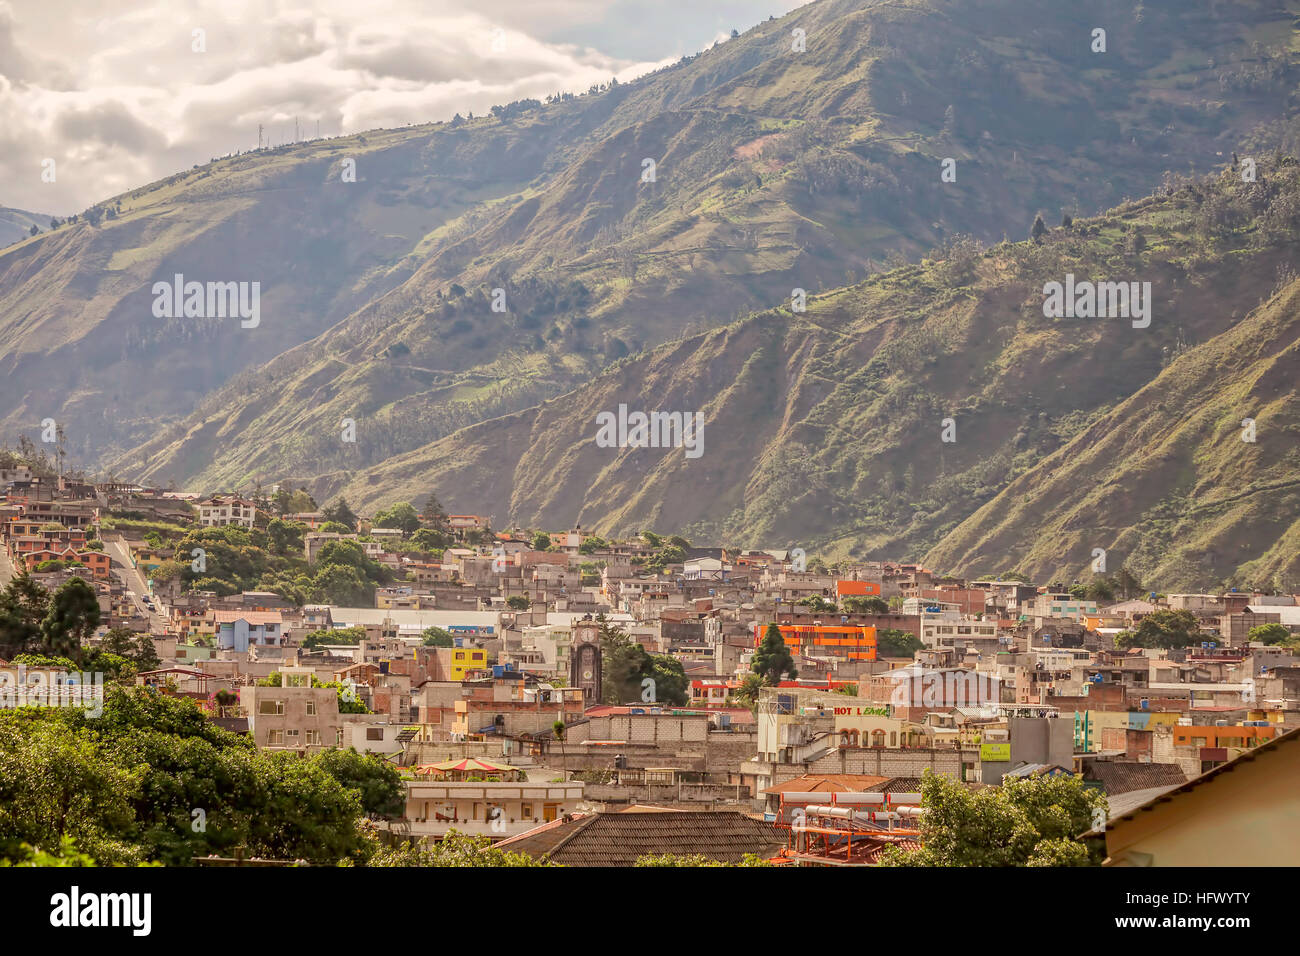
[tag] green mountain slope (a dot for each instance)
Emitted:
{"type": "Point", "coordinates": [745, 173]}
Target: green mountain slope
{"type": "Point", "coordinates": [774, 170]}
{"type": "Point", "coordinates": [15, 224]}
{"type": "Point", "coordinates": [825, 429]}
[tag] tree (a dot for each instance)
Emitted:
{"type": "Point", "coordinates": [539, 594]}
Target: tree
{"type": "Point", "coordinates": [437, 637]}
{"type": "Point", "coordinates": [818, 604]}
{"type": "Point", "coordinates": [340, 635]}
{"type": "Point", "coordinates": [1039, 229]}
{"type": "Point", "coordinates": [865, 605]}
{"type": "Point", "coordinates": [23, 606]}
{"type": "Point", "coordinates": [285, 537]}
{"type": "Point", "coordinates": [72, 618]}
{"type": "Point", "coordinates": [454, 849]}
{"type": "Point", "coordinates": [891, 642]}
{"type": "Point", "coordinates": [56, 784]}
{"type": "Point", "coordinates": [1163, 628]}
{"type": "Point", "coordinates": [374, 780]}
{"type": "Point", "coordinates": [428, 539]}
{"type": "Point", "coordinates": [1127, 583]}
{"type": "Point", "coordinates": [1269, 634]}
{"type": "Point", "coordinates": [127, 644]}
{"type": "Point", "coordinates": [747, 694]}
{"type": "Point", "coordinates": [1101, 590]}
{"type": "Point", "coordinates": [340, 512]}
{"type": "Point", "coordinates": [434, 514]}
{"type": "Point", "coordinates": [401, 516]}
{"type": "Point", "coordinates": [518, 602]}
{"type": "Point", "coordinates": [772, 660]}
{"type": "Point", "coordinates": [1034, 821]}
{"type": "Point", "coordinates": [697, 860]}
{"type": "Point", "coordinates": [560, 730]}
{"type": "Point", "coordinates": [541, 541]}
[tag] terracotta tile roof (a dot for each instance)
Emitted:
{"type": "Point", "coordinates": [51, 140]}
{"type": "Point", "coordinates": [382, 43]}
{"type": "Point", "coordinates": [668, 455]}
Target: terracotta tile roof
{"type": "Point", "coordinates": [829, 783]}
{"type": "Point", "coordinates": [619, 839]}
{"type": "Point", "coordinates": [1124, 776]}
{"type": "Point", "coordinates": [898, 785]}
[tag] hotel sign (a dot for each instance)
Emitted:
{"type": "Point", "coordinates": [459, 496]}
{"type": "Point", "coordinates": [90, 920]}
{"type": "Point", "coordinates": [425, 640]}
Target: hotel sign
{"type": "Point", "coordinates": [882, 711]}
{"type": "Point", "coordinates": [995, 753]}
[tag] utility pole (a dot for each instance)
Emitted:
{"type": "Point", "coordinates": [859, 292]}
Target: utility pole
{"type": "Point", "coordinates": [259, 135]}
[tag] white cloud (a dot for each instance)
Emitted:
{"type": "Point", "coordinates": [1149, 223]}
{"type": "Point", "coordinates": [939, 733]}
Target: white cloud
{"type": "Point", "coordinates": [111, 90]}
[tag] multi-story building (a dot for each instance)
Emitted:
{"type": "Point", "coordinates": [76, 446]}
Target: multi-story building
{"type": "Point", "coordinates": [236, 630]}
{"type": "Point", "coordinates": [498, 805]}
{"type": "Point", "coordinates": [220, 510]}
{"type": "Point", "coordinates": [293, 716]}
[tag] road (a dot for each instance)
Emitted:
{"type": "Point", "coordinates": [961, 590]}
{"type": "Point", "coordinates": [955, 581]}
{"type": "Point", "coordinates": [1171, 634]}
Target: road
{"type": "Point", "coordinates": [134, 581]}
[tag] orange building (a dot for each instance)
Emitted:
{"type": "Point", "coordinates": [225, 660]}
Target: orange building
{"type": "Point", "coordinates": [845, 589]}
{"type": "Point", "coordinates": [1234, 736]}
{"type": "Point", "coordinates": [826, 640]}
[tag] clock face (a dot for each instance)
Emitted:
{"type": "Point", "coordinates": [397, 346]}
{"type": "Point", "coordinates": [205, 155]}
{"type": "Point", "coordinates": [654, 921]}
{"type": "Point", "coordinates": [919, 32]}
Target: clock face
{"type": "Point", "coordinates": [586, 675]}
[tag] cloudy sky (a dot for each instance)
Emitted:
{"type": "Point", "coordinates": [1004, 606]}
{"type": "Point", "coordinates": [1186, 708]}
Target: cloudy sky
{"type": "Point", "coordinates": [115, 93]}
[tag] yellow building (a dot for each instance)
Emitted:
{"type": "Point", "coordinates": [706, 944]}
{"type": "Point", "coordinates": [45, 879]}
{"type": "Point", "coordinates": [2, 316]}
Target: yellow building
{"type": "Point", "coordinates": [863, 723]}
{"type": "Point", "coordinates": [1245, 812]}
{"type": "Point", "coordinates": [458, 661]}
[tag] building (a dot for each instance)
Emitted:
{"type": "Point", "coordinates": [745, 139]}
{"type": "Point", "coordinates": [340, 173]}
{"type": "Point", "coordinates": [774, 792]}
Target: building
{"type": "Point", "coordinates": [236, 630]}
{"type": "Point", "coordinates": [483, 798]}
{"type": "Point", "coordinates": [1241, 813]}
{"type": "Point", "coordinates": [220, 510]}
{"type": "Point", "coordinates": [293, 716]}
{"type": "Point", "coordinates": [620, 839]}
{"type": "Point", "coordinates": [840, 642]}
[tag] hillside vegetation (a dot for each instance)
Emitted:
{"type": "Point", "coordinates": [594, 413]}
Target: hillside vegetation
{"type": "Point", "coordinates": [773, 170]}
{"type": "Point", "coordinates": [824, 429]}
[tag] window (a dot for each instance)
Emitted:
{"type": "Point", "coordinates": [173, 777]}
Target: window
{"type": "Point", "coordinates": [311, 708]}
{"type": "Point", "coordinates": [275, 738]}
{"type": "Point", "coordinates": [526, 811]}
{"type": "Point", "coordinates": [293, 736]}
{"type": "Point", "coordinates": [374, 733]}
{"type": "Point", "coordinates": [270, 707]}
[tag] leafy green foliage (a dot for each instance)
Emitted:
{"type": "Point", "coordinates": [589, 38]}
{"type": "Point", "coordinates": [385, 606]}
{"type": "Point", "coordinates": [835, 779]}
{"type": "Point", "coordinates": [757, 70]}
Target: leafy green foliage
{"type": "Point", "coordinates": [1163, 628]}
{"type": "Point", "coordinates": [772, 660]}
{"type": "Point", "coordinates": [401, 516]}
{"type": "Point", "coordinates": [125, 786]}
{"type": "Point", "coordinates": [72, 618]}
{"type": "Point", "coordinates": [329, 635]}
{"type": "Point", "coordinates": [437, 637]}
{"type": "Point", "coordinates": [626, 665]}
{"type": "Point", "coordinates": [1030, 822]}
{"type": "Point", "coordinates": [891, 642]}
{"type": "Point", "coordinates": [697, 859]}
{"type": "Point", "coordinates": [454, 849]}
{"type": "Point", "coordinates": [1270, 634]}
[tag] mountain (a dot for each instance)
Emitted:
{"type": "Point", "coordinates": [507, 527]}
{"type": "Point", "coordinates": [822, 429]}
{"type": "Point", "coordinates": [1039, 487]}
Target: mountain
{"type": "Point", "coordinates": [15, 224]}
{"type": "Point", "coordinates": [825, 429]}
{"type": "Point", "coordinates": [773, 169]}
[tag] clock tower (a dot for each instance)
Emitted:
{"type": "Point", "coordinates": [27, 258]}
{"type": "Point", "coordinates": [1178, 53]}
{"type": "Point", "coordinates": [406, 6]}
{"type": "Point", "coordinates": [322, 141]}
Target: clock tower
{"type": "Point", "coordinates": [585, 660]}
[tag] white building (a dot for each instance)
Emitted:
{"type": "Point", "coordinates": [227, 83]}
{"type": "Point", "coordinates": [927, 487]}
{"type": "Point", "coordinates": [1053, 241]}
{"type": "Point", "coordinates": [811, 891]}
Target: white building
{"type": "Point", "coordinates": [221, 510]}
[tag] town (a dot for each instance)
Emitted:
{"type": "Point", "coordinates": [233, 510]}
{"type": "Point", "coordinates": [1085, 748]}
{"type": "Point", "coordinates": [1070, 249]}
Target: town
{"type": "Point", "coordinates": [570, 699]}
